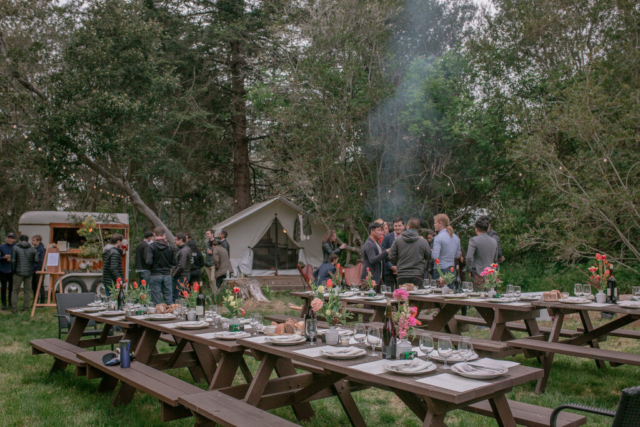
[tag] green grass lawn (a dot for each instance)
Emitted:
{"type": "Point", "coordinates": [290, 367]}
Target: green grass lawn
{"type": "Point", "coordinates": [30, 396]}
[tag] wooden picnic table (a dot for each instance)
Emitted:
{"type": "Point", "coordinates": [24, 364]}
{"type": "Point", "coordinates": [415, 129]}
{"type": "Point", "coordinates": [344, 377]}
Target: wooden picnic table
{"type": "Point", "coordinates": [589, 336]}
{"type": "Point", "coordinates": [430, 403]}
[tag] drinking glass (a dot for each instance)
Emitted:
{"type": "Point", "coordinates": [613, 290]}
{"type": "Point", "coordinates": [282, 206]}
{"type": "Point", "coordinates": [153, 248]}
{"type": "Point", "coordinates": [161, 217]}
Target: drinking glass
{"type": "Point", "coordinates": [113, 304]}
{"type": "Point", "coordinates": [509, 291]}
{"type": "Point", "coordinates": [467, 287]}
{"type": "Point", "coordinates": [373, 338]}
{"type": "Point", "coordinates": [577, 289]}
{"type": "Point", "coordinates": [151, 308]}
{"type": "Point", "coordinates": [311, 326]}
{"type": "Point", "coordinates": [426, 344]}
{"type": "Point", "coordinates": [258, 323]}
{"type": "Point", "coordinates": [517, 291]}
{"type": "Point", "coordinates": [445, 349]}
{"type": "Point", "coordinates": [425, 284]}
{"type": "Point", "coordinates": [97, 299]}
{"type": "Point", "coordinates": [465, 347]}
{"type": "Point", "coordinates": [565, 295]}
{"type": "Point", "coordinates": [252, 322]}
{"type": "Point", "coordinates": [586, 290]}
{"type": "Point", "coordinates": [636, 293]}
{"type": "Point", "coordinates": [360, 333]}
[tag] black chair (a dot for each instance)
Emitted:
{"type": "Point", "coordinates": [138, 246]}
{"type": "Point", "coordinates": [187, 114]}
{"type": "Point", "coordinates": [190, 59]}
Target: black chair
{"type": "Point", "coordinates": [626, 415]}
{"type": "Point", "coordinates": [65, 320]}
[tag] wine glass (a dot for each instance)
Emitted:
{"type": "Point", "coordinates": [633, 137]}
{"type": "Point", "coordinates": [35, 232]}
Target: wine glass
{"type": "Point", "coordinates": [360, 333]}
{"type": "Point", "coordinates": [426, 344]}
{"type": "Point", "coordinates": [517, 291]}
{"type": "Point", "coordinates": [258, 323]}
{"type": "Point", "coordinates": [577, 289]}
{"type": "Point", "coordinates": [586, 290]}
{"type": "Point", "coordinates": [97, 299]}
{"type": "Point", "coordinates": [373, 339]}
{"type": "Point", "coordinates": [252, 322]}
{"type": "Point", "coordinates": [636, 293]}
{"type": "Point", "coordinates": [311, 326]}
{"type": "Point", "coordinates": [425, 284]}
{"type": "Point", "coordinates": [509, 291]}
{"type": "Point", "coordinates": [445, 349]}
{"type": "Point", "coordinates": [465, 348]}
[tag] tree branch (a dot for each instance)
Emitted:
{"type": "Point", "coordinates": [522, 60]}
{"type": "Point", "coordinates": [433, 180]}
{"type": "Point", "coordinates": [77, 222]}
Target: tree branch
{"type": "Point", "coordinates": [24, 82]}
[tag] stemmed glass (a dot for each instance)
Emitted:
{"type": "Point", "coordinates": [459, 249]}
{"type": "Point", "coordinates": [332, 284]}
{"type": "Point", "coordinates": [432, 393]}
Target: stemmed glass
{"type": "Point", "coordinates": [426, 344]}
{"type": "Point", "coordinates": [467, 287]}
{"type": "Point", "coordinates": [517, 291]}
{"type": "Point", "coordinates": [636, 293]}
{"type": "Point", "coordinates": [253, 323]}
{"type": "Point", "coordinates": [509, 291]}
{"type": "Point", "coordinates": [425, 284]}
{"type": "Point", "coordinates": [311, 326]}
{"type": "Point", "coordinates": [258, 323]}
{"type": "Point", "coordinates": [373, 339]}
{"type": "Point", "coordinates": [445, 349]}
{"type": "Point", "coordinates": [97, 299]}
{"type": "Point", "coordinates": [586, 290]}
{"type": "Point", "coordinates": [465, 348]}
{"type": "Point", "coordinates": [577, 289]}
{"type": "Point", "coordinates": [360, 333]}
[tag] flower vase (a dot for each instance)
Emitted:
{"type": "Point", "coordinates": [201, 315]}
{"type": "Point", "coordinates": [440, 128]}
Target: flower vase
{"type": "Point", "coordinates": [235, 325]}
{"type": "Point", "coordinates": [191, 315]}
{"type": "Point", "coordinates": [404, 346]}
{"type": "Point", "coordinates": [601, 297]}
{"type": "Point", "coordinates": [331, 336]}
{"type": "Point", "coordinates": [446, 290]}
{"type": "Point", "coordinates": [492, 293]}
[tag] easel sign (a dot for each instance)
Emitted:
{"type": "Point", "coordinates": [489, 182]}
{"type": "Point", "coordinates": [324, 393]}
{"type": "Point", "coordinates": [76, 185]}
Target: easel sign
{"type": "Point", "coordinates": [51, 268]}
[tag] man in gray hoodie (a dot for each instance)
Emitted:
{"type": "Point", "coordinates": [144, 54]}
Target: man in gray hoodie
{"type": "Point", "coordinates": [23, 258]}
{"type": "Point", "coordinates": [410, 253]}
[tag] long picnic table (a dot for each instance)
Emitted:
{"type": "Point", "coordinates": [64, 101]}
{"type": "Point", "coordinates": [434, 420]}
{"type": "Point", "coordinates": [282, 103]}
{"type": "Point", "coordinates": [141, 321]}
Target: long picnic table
{"type": "Point", "coordinates": [590, 336]}
{"type": "Point", "coordinates": [429, 402]}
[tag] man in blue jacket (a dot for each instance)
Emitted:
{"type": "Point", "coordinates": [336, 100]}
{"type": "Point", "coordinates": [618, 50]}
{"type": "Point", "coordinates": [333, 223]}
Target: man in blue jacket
{"type": "Point", "coordinates": [36, 241]}
{"type": "Point", "coordinates": [6, 276]}
{"type": "Point", "coordinates": [322, 273]}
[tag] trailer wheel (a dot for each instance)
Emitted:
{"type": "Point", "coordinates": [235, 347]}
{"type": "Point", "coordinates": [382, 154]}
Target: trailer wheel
{"type": "Point", "coordinates": [73, 286]}
{"type": "Point", "coordinates": [98, 288]}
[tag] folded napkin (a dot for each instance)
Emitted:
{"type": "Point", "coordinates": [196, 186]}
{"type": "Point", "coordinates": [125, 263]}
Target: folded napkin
{"type": "Point", "coordinates": [410, 366]}
{"type": "Point", "coordinates": [346, 351]}
{"type": "Point", "coordinates": [286, 338]}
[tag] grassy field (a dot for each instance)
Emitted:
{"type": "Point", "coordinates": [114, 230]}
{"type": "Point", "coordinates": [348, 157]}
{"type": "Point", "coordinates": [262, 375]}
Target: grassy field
{"type": "Point", "coordinates": [30, 396]}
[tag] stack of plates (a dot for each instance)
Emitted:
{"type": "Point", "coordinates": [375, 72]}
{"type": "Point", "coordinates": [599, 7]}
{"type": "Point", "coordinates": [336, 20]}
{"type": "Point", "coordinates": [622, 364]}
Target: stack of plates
{"type": "Point", "coordinates": [478, 372]}
{"type": "Point", "coordinates": [165, 316]}
{"type": "Point", "coordinates": [111, 313]}
{"type": "Point", "coordinates": [231, 335]}
{"type": "Point", "coordinates": [286, 339]}
{"type": "Point", "coordinates": [93, 309]}
{"type": "Point", "coordinates": [503, 300]}
{"type": "Point", "coordinates": [455, 357]}
{"type": "Point", "coordinates": [629, 304]}
{"type": "Point", "coordinates": [192, 325]}
{"type": "Point", "coordinates": [343, 353]}
{"type": "Point", "coordinates": [410, 367]}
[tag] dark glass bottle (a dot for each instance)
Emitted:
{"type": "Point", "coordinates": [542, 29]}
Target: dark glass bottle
{"type": "Point", "coordinates": [121, 297]}
{"type": "Point", "coordinates": [389, 337]}
{"type": "Point", "coordinates": [200, 304]}
{"type": "Point", "coordinates": [309, 315]}
{"type": "Point", "coordinates": [612, 288]}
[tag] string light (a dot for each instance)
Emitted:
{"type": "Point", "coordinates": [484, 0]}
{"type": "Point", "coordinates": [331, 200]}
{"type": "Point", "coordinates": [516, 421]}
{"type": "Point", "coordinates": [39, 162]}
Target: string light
{"type": "Point", "coordinates": [482, 179]}
{"type": "Point", "coordinates": [605, 160]}
{"type": "Point", "coordinates": [39, 148]}
{"type": "Point", "coordinates": [520, 174]}
{"type": "Point", "coordinates": [417, 188]}
{"type": "Point", "coordinates": [25, 137]}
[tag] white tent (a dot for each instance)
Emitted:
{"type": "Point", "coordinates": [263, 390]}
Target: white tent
{"type": "Point", "coordinates": [273, 236]}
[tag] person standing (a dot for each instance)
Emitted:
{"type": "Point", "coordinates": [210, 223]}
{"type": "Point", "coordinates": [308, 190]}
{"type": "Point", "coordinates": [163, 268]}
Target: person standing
{"type": "Point", "coordinates": [222, 235]}
{"type": "Point", "coordinates": [182, 266]}
{"type": "Point", "coordinates": [142, 268]}
{"type": "Point", "coordinates": [197, 262]}
{"type": "Point", "coordinates": [221, 262]}
{"type": "Point", "coordinates": [330, 245]}
{"type": "Point", "coordinates": [390, 270]}
{"type": "Point", "coordinates": [160, 259]}
{"type": "Point", "coordinates": [6, 277]}
{"type": "Point", "coordinates": [446, 245]}
{"type": "Point", "coordinates": [209, 268]}
{"type": "Point", "coordinates": [410, 254]}
{"type": "Point", "coordinates": [23, 258]}
{"type": "Point", "coordinates": [112, 262]}
{"type": "Point", "coordinates": [36, 241]}
{"type": "Point", "coordinates": [482, 249]}
{"type": "Point", "coordinates": [373, 257]}
{"type": "Point", "coordinates": [494, 235]}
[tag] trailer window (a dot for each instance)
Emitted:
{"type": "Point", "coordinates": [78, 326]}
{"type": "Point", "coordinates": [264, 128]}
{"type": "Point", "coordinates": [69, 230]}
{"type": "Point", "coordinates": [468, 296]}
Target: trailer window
{"type": "Point", "coordinates": [70, 235]}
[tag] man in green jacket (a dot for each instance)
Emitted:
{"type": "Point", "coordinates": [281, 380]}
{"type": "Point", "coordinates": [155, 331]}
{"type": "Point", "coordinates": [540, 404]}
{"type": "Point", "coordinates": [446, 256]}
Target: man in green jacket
{"type": "Point", "coordinates": [23, 258]}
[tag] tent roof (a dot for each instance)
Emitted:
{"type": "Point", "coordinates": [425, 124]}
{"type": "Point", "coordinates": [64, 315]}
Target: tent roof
{"type": "Point", "coordinates": [251, 210]}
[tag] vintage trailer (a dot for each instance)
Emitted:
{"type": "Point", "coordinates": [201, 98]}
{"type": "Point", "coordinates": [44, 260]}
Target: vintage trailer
{"type": "Point", "coordinates": [80, 253]}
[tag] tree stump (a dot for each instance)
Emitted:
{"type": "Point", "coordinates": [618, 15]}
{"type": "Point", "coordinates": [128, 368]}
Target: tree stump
{"type": "Point", "coordinates": [249, 289]}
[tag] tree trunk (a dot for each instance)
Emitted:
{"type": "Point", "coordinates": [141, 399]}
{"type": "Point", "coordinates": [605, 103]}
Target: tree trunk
{"type": "Point", "coordinates": [249, 289]}
{"type": "Point", "coordinates": [241, 170]}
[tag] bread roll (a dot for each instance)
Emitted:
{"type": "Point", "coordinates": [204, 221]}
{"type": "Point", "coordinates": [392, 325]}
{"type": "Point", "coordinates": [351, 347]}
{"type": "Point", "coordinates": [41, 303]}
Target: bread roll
{"type": "Point", "coordinates": [280, 329]}
{"type": "Point", "coordinates": [288, 328]}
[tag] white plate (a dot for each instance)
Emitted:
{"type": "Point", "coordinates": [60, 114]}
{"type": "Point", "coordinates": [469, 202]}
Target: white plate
{"type": "Point", "coordinates": [163, 316]}
{"type": "Point", "coordinates": [480, 375]}
{"type": "Point", "coordinates": [574, 301]}
{"type": "Point", "coordinates": [192, 325]}
{"type": "Point", "coordinates": [629, 304]}
{"type": "Point", "coordinates": [231, 335]}
{"type": "Point", "coordinates": [275, 341]}
{"type": "Point", "coordinates": [92, 309]}
{"type": "Point", "coordinates": [422, 292]}
{"type": "Point", "coordinates": [448, 296]}
{"type": "Point", "coordinates": [453, 359]}
{"type": "Point", "coordinates": [429, 368]}
{"type": "Point", "coordinates": [373, 298]}
{"type": "Point", "coordinates": [362, 352]}
{"type": "Point", "coordinates": [96, 304]}
{"type": "Point", "coordinates": [342, 332]}
{"type": "Point", "coordinates": [111, 313]}
{"type": "Point", "coordinates": [503, 300]}
{"type": "Point", "coordinates": [529, 299]}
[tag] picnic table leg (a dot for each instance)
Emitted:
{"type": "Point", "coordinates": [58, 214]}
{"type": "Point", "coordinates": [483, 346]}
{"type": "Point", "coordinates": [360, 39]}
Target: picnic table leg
{"type": "Point", "coordinates": [226, 371]}
{"type": "Point", "coordinates": [285, 368]}
{"type": "Point", "coordinates": [433, 420]}
{"type": "Point", "coordinates": [441, 320]}
{"type": "Point", "coordinates": [144, 350]}
{"type": "Point", "coordinates": [413, 402]}
{"type": "Point", "coordinates": [547, 358]}
{"type": "Point", "coordinates": [588, 327]}
{"type": "Point", "coordinates": [259, 383]}
{"type": "Point", "coordinates": [502, 412]}
{"type": "Point", "coordinates": [73, 337]}
{"type": "Point", "coordinates": [341, 389]}
{"type": "Point", "coordinates": [246, 372]}
{"type": "Point", "coordinates": [206, 359]}
{"type": "Point", "coordinates": [378, 314]}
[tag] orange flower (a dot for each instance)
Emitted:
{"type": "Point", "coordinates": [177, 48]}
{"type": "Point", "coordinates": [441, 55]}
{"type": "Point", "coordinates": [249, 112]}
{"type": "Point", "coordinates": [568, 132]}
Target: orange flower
{"type": "Point", "coordinates": [236, 290]}
{"type": "Point", "coordinates": [242, 312]}
{"type": "Point", "coordinates": [437, 261]}
{"type": "Point", "coordinates": [135, 285]}
{"type": "Point", "coordinates": [117, 285]}
{"type": "Point", "coordinates": [451, 269]}
{"type": "Point", "coordinates": [316, 304]}
{"type": "Point", "coordinates": [494, 265]}
{"type": "Point", "coordinates": [598, 257]}
{"type": "Point", "coordinates": [329, 283]}
{"type": "Point", "coordinates": [118, 280]}
{"type": "Point", "coordinates": [143, 297]}
{"type": "Point", "coordinates": [338, 267]}
{"type": "Point", "coordinates": [604, 257]}
{"type": "Point", "coordinates": [196, 287]}
{"type": "Point", "coordinates": [90, 230]}
{"type": "Point", "coordinates": [143, 282]}
{"type": "Point", "coordinates": [607, 273]}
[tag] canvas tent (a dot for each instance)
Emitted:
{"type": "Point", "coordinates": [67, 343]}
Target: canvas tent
{"type": "Point", "coordinates": [273, 236]}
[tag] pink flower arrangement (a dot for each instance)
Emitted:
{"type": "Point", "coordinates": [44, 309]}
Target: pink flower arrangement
{"type": "Point", "coordinates": [400, 295]}
{"type": "Point", "coordinates": [316, 304]}
{"type": "Point", "coordinates": [406, 315]}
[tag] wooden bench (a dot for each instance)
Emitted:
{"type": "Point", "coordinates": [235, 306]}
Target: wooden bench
{"type": "Point", "coordinates": [64, 353]}
{"type": "Point", "coordinates": [530, 415]}
{"type": "Point", "coordinates": [621, 333]}
{"type": "Point", "coordinates": [577, 351]}
{"type": "Point", "coordinates": [162, 386]}
{"type": "Point", "coordinates": [367, 313]}
{"type": "Point", "coordinates": [214, 407]}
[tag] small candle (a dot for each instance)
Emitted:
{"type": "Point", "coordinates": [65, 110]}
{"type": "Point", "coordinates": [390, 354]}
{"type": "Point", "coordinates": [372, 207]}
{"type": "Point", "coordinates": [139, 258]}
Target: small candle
{"type": "Point", "coordinates": [345, 341]}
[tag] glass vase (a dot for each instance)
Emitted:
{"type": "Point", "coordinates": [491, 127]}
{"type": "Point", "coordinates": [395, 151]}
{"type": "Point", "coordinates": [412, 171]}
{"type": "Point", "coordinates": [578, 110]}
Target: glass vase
{"type": "Point", "coordinates": [332, 335]}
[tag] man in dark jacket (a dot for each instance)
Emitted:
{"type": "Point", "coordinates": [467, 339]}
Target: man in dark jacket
{"type": "Point", "coordinates": [160, 258]}
{"type": "Point", "coordinates": [36, 241]}
{"type": "Point", "coordinates": [410, 253]}
{"type": "Point", "coordinates": [197, 262]}
{"type": "Point", "coordinates": [209, 268]}
{"type": "Point", "coordinates": [322, 273]}
{"type": "Point", "coordinates": [142, 268]}
{"type": "Point", "coordinates": [391, 270]}
{"type": "Point", "coordinates": [23, 258]}
{"type": "Point", "coordinates": [222, 236]}
{"type": "Point", "coordinates": [222, 264]}
{"type": "Point", "coordinates": [6, 277]}
{"type": "Point", "coordinates": [182, 266]}
{"type": "Point", "coordinates": [494, 235]}
{"type": "Point", "coordinates": [373, 256]}
{"type": "Point", "coordinates": [112, 262]}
